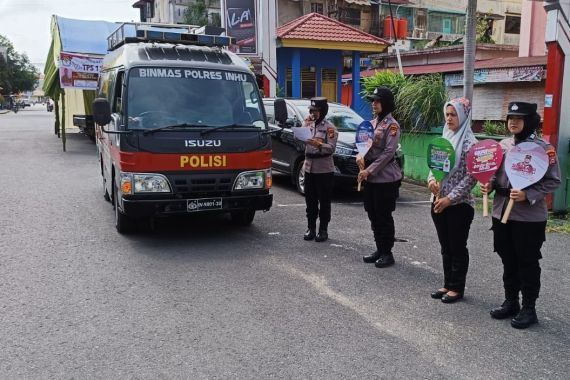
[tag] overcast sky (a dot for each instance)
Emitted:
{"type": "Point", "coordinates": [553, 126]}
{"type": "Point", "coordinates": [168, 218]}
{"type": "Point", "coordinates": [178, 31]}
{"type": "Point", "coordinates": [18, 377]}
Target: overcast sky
{"type": "Point", "coordinates": [26, 23]}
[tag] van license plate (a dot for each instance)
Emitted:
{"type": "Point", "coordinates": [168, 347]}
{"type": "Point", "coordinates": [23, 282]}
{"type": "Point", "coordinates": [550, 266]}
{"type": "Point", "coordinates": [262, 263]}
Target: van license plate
{"type": "Point", "coordinates": [204, 204]}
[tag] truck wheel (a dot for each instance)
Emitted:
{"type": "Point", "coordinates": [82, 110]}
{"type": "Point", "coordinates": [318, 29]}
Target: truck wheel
{"type": "Point", "coordinates": [123, 223]}
{"type": "Point", "coordinates": [243, 217]}
{"type": "Point", "coordinates": [299, 178]}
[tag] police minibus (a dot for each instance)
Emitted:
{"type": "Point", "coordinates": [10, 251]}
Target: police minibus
{"type": "Point", "coordinates": [180, 127]}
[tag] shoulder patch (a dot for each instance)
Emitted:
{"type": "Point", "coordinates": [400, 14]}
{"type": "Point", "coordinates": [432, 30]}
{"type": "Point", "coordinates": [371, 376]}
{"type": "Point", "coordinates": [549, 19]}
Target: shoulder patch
{"type": "Point", "coordinates": [393, 129]}
{"type": "Point", "coordinates": [551, 155]}
{"type": "Point", "coordinates": [331, 132]}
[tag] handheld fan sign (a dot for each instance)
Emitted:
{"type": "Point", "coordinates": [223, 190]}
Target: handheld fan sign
{"type": "Point", "coordinates": [440, 157]}
{"type": "Point", "coordinates": [364, 138]}
{"type": "Point", "coordinates": [525, 164]}
{"type": "Point", "coordinates": [483, 161]}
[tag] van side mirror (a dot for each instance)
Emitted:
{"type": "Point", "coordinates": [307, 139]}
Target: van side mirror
{"type": "Point", "coordinates": [101, 111]}
{"type": "Point", "coordinates": [280, 111]}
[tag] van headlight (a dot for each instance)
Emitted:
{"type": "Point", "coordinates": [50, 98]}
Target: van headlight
{"type": "Point", "coordinates": [258, 179]}
{"type": "Point", "coordinates": [134, 183]}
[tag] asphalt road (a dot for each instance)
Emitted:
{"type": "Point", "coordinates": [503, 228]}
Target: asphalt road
{"type": "Point", "coordinates": [201, 299]}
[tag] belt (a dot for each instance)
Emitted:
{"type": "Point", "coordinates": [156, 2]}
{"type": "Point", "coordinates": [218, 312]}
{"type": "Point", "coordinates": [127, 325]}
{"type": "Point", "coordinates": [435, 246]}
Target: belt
{"type": "Point", "coordinates": [504, 191]}
{"type": "Point", "coordinates": [317, 155]}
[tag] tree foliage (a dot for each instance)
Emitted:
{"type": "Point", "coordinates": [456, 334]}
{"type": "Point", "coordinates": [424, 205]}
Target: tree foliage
{"type": "Point", "coordinates": [17, 74]}
{"type": "Point", "coordinates": [197, 14]}
{"type": "Point", "coordinates": [419, 99]}
{"type": "Point", "coordinates": [484, 30]}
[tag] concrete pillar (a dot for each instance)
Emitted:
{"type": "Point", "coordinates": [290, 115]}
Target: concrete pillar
{"type": "Point", "coordinates": [355, 81]}
{"type": "Point", "coordinates": [296, 73]}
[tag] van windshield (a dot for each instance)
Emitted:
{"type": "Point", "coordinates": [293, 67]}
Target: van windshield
{"type": "Point", "coordinates": [159, 97]}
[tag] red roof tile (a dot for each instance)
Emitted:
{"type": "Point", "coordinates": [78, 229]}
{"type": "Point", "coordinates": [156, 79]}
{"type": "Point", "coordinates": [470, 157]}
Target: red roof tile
{"type": "Point", "coordinates": [314, 26]}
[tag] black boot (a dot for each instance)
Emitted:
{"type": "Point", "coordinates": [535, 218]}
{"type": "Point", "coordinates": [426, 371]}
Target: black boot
{"type": "Point", "coordinates": [509, 308]}
{"type": "Point", "coordinates": [323, 234]}
{"type": "Point", "coordinates": [385, 260]}
{"type": "Point", "coordinates": [525, 318]}
{"type": "Point", "coordinates": [310, 234]}
{"type": "Point", "coordinates": [369, 259]}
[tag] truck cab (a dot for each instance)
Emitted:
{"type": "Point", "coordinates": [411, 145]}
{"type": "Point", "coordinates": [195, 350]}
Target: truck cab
{"type": "Point", "coordinates": [180, 128]}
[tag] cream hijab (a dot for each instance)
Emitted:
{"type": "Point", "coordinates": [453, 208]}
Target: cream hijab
{"type": "Point", "coordinates": [464, 132]}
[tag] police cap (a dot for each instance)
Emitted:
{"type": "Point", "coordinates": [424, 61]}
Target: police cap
{"type": "Point", "coordinates": [318, 104]}
{"type": "Point", "coordinates": [521, 109]}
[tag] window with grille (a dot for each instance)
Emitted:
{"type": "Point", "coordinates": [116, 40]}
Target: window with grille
{"type": "Point", "coordinates": [513, 24]}
{"type": "Point", "coordinates": [317, 8]}
{"type": "Point", "coordinates": [308, 83]}
{"type": "Point", "coordinates": [350, 16]}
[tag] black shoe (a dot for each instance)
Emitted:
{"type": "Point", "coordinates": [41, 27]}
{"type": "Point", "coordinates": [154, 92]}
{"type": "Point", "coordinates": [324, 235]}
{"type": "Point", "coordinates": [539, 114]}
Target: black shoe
{"type": "Point", "coordinates": [525, 318]}
{"type": "Point", "coordinates": [438, 294]}
{"type": "Point", "coordinates": [451, 299]}
{"type": "Point", "coordinates": [369, 259]}
{"type": "Point", "coordinates": [310, 234]}
{"type": "Point", "coordinates": [509, 308]}
{"type": "Point", "coordinates": [385, 260]}
{"type": "Point", "coordinates": [322, 235]}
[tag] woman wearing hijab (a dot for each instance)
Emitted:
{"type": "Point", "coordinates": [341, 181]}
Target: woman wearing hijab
{"type": "Point", "coordinates": [518, 242]}
{"type": "Point", "coordinates": [383, 177]}
{"type": "Point", "coordinates": [452, 207]}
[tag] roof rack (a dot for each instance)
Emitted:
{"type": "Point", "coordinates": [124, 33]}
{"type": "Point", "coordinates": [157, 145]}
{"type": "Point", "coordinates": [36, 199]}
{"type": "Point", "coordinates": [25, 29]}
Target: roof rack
{"type": "Point", "coordinates": [132, 32]}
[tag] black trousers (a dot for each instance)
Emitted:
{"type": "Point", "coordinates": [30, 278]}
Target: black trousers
{"type": "Point", "coordinates": [318, 194]}
{"type": "Point", "coordinates": [518, 245]}
{"type": "Point", "coordinates": [380, 203]}
{"type": "Point", "coordinates": [452, 226]}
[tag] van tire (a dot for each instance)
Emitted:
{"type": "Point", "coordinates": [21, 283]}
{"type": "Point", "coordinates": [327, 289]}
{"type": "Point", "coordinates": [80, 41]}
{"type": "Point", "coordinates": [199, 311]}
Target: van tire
{"type": "Point", "coordinates": [123, 223]}
{"type": "Point", "coordinates": [242, 217]}
{"type": "Point", "coordinates": [299, 177]}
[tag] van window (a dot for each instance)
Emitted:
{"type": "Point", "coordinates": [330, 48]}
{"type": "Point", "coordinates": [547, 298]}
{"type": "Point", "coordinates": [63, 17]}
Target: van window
{"type": "Point", "coordinates": [162, 96]}
{"type": "Point", "coordinates": [117, 104]}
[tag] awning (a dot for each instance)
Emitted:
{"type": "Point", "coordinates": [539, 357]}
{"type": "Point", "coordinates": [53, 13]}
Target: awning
{"type": "Point", "coordinates": [448, 11]}
{"type": "Point", "coordinates": [358, 2]}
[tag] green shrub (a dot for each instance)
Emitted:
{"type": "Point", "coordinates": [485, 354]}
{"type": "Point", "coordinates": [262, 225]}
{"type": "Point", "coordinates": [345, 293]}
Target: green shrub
{"type": "Point", "coordinates": [419, 99]}
{"type": "Point", "coordinates": [494, 128]}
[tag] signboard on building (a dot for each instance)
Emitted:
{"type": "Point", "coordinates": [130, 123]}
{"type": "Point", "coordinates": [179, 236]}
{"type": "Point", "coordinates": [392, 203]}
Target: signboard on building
{"type": "Point", "coordinates": [516, 74]}
{"type": "Point", "coordinates": [241, 23]}
{"type": "Point", "coordinates": [79, 71]}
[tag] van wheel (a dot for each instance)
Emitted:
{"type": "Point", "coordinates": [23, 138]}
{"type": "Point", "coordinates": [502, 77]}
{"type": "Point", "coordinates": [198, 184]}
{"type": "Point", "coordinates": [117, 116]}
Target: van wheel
{"type": "Point", "coordinates": [105, 192]}
{"type": "Point", "coordinates": [299, 178]}
{"type": "Point", "coordinates": [123, 223]}
{"type": "Point", "coordinates": [243, 217]}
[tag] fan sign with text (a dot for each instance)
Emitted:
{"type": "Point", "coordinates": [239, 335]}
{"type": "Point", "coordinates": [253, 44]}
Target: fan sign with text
{"type": "Point", "coordinates": [525, 164]}
{"type": "Point", "coordinates": [484, 159]}
{"type": "Point", "coordinates": [440, 157]}
{"type": "Point", "coordinates": [364, 137]}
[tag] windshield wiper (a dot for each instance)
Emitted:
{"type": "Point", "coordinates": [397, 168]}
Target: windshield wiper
{"type": "Point", "coordinates": [205, 132]}
{"type": "Point", "coordinates": [175, 126]}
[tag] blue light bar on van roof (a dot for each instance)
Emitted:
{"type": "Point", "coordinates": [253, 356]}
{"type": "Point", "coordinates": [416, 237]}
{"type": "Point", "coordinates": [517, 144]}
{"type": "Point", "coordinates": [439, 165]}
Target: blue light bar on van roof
{"type": "Point", "coordinates": [178, 34]}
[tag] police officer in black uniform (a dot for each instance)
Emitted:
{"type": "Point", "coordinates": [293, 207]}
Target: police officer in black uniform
{"type": "Point", "coordinates": [518, 242]}
{"type": "Point", "coordinates": [319, 169]}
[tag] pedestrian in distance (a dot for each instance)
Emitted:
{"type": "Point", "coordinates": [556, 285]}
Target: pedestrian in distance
{"type": "Point", "coordinates": [319, 169]}
{"type": "Point", "coordinates": [518, 242]}
{"type": "Point", "coordinates": [452, 207]}
{"type": "Point", "coordinates": [383, 177]}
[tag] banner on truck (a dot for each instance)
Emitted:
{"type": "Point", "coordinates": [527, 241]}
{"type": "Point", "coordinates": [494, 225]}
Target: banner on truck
{"type": "Point", "coordinates": [78, 71]}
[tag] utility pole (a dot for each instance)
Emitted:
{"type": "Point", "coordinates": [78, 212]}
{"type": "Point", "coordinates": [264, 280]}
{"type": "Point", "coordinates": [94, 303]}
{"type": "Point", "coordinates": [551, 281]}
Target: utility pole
{"type": "Point", "coordinates": [469, 50]}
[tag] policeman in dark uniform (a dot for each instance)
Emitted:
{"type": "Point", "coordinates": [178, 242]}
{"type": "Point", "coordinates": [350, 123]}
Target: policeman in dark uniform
{"type": "Point", "coordinates": [319, 169]}
{"type": "Point", "coordinates": [518, 242]}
